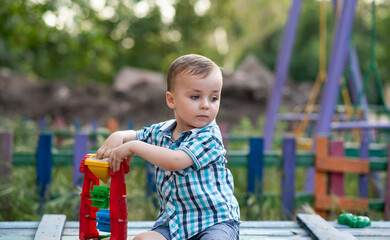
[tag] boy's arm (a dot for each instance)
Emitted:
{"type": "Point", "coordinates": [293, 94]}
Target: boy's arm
{"type": "Point", "coordinates": [168, 159]}
{"type": "Point", "coordinates": [114, 140]}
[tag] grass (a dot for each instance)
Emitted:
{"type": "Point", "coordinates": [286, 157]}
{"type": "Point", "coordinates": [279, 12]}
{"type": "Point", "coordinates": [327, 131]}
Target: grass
{"type": "Point", "coordinates": [20, 201]}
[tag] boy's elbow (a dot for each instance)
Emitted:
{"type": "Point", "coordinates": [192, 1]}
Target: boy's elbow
{"type": "Point", "coordinates": [174, 167]}
{"type": "Point", "coordinates": [177, 163]}
{"type": "Point", "coordinates": [180, 161]}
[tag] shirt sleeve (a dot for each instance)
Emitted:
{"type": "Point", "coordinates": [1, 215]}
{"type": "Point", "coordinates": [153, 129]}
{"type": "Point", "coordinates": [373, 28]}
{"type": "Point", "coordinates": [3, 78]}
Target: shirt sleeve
{"type": "Point", "coordinates": [143, 134]}
{"type": "Point", "coordinates": [204, 148]}
{"type": "Point", "coordinates": [147, 134]}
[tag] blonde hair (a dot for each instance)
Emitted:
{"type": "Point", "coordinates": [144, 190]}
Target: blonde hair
{"type": "Point", "coordinates": [191, 64]}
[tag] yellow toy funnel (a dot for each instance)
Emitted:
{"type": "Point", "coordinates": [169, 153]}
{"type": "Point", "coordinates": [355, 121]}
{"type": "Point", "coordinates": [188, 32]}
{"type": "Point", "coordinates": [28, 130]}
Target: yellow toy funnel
{"type": "Point", "coordinates": [99, 167]}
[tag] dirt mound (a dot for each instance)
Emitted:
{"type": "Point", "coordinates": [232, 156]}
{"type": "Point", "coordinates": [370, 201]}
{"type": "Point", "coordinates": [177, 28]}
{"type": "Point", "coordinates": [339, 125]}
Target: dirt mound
{"type": "Point", "coordinates": [138, 95]}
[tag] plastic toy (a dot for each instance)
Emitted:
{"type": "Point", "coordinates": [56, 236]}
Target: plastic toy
{"type": "Point", "coordinates": [100, 197]}
{"type": "Point", "coordinates": [354, 221]}
{"type": "Point", "coordinates": [94, 196]}
{"type": "Point", "coordinates": [99, 168]}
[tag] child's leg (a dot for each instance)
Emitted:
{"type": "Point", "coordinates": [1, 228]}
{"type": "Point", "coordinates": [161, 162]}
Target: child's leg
{"type": "Point", "coordinates": [149, 235]}
{"type": "Point", "coordinates": [228, 230]}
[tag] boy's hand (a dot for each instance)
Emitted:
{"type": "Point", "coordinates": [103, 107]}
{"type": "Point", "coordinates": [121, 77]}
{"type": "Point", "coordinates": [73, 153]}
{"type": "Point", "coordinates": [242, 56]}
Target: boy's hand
{"type": "Point", "coordinates": [113, 141]}
{"type": "Point", "coordinates": [118, 154]}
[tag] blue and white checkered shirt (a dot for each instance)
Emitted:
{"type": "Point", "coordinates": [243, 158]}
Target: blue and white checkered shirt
{"type": "Point", "coordinates": [201, 195]}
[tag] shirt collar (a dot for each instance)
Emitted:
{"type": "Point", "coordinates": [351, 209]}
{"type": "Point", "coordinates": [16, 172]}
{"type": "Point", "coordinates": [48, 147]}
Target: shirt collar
{"type": "Point", "coordinates": [169, 125]}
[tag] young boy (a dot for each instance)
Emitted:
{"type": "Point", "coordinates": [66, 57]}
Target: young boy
{"type": "Point", "coordinates": [194, 186]}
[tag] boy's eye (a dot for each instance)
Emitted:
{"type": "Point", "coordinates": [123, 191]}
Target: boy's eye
{"type": "Point", "coordinates": [194, 97]}
{"type": "Point", "coordinates": [214, 99]}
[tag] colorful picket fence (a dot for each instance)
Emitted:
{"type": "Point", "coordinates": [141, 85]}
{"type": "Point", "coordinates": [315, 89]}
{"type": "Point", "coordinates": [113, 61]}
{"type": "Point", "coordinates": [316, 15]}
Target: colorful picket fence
{"type": "Point", "coordinates": [255, 160]}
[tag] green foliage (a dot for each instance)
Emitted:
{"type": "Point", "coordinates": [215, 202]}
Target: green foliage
{"type": "Point", "coordinates": [76, 42]}
{"type": "Point", "coordinates": [18, 198]}
{"type": "Point", "coordinates": [25, 133]}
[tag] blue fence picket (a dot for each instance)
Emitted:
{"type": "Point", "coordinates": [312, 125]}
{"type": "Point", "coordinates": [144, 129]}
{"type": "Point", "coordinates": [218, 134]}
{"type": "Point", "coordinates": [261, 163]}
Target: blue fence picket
{"type": "Point", "coordinates": [150, 181]}
{"type": "Point", "coordinates": [130, 125]}
{"type": "Point", "coordinates": [255, 165]}
{"type": "Point", "coordinates": [44, 163]}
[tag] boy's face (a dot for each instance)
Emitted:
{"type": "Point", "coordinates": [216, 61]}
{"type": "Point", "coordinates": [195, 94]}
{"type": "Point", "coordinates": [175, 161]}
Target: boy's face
{"type": "Point", "coordinates": [195, 100]}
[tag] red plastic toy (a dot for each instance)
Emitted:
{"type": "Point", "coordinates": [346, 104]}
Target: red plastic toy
{"type": "Point", "coordinates": [118, 203]}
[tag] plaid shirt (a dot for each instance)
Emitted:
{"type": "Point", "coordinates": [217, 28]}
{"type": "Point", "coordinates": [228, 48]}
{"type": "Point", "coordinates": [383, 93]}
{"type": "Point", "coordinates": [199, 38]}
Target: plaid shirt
{"type": "Point", "coordinates": [201, 195]}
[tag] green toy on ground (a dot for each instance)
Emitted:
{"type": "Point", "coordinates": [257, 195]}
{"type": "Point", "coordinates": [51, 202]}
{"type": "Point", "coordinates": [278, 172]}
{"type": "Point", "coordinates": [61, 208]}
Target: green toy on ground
{"type": "Point", "coordinates": [354, 221]}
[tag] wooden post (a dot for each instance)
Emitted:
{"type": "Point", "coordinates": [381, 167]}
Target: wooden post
{"type": "Point", "coordinates": [44, 164]}
{"type": "Point", "coordinates": [320, 178]}
{"type": "Point", "coordinates": [288, 180]}
{"type": "Point", "coordinates": [337, 179]}
{"type": "Point", "coordinates": [6, 150]}
{"type": "Point", "coordinates": [325, 164]}
{"type": "Point", "coordinates": [80, 150]}
{"type": "Point", "coordinates": [363, 178]}
{"type": "Point", "coordinates": [255, 165]}
{"type": "Point", "coordinates": [387, 195]}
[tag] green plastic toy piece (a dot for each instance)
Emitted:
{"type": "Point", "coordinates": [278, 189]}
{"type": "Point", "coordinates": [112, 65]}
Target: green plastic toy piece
{"type": "Point", "coordinates": [100, 196]}
{"type": "Point", "coordinates": [354, 221]}
{"type": "Point", "coordinates": [104, 236]}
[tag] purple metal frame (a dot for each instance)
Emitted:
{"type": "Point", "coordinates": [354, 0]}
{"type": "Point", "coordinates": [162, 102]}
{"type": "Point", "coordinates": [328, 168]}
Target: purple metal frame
{"type": "Point", "coordinates": [336, 66]}
{"type": "Point", "coordinates": [281, 72]}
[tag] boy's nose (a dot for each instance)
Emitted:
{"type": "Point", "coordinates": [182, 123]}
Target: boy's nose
{"type": "Point", "coordinates": [204, 104]}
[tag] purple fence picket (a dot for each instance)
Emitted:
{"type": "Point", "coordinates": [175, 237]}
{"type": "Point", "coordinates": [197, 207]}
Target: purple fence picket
{"type": "Point", "coordinates": [363, 179]}
{"type": "Point", "coordinates": [80, 149]}
{"type": "Point", "coordinates": [288, 180]}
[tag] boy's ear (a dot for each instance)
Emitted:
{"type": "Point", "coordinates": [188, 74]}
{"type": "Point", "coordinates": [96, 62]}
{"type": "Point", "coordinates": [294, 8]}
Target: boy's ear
{"type": "Point", "coordinates": [170, 100]}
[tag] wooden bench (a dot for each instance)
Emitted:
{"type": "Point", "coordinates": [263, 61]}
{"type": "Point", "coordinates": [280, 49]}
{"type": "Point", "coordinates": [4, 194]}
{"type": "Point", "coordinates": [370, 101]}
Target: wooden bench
{"type": "Point", "coordinates": [55, 227]}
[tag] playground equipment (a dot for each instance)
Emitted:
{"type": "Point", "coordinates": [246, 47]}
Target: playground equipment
{"type": "Point", "coordinates": [343, 51]}
{"type": "Point", "coordinates": [91, 197]}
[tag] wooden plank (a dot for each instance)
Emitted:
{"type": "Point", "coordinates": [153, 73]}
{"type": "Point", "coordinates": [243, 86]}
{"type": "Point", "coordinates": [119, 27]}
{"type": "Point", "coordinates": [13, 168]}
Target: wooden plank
{"type": "Point", "coordinates": [50, 227]}
{"type": "Point", "coordinates": [320, 178]}
{"type": "Point", "coordinates": [342, 165]}
{"type": "Point", "coordinates": [337, 179]}
{"type": "Point", "coordinates": [326, 202]}
{"type": "Point", "coordinates": [16, 237]}
{"type": "Point", "coordinates": [318, 228]}
{"type": "Point", "coordinates": [248, 230]}
{"type": "Point", "coordinates": [320, 183]}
